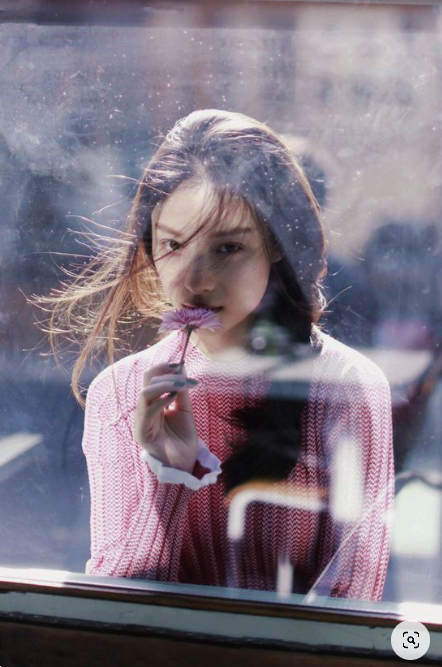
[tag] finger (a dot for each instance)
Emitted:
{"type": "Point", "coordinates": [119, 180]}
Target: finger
{"type": "Point", "coordinates": [159, 369]}
{"type": "Point", "coordinates": [173, 378]}
{"type": "Point", "coordinates": [168, 378]}
{"type": "Point", "coordinates": [145, 422]}
{"type": "Point", "coordinates": [164, 402]}
{"type": "Point", "coordinates": [183, 399]}
{"type": "Point", "coordinates": [154, 391]}
{"type": "Point", "coordinates": [182, 403]}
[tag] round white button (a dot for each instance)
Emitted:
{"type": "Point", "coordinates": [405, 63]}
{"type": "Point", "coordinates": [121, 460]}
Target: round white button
{"type": "Point", "coordinates": [410, 640]}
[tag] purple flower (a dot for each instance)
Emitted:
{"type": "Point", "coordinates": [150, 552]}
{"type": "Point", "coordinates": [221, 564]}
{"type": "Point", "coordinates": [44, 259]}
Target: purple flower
{"type": "Point", "coordinates": [187, 320]}
{"type": "Point", "coordinates": [190, 319]}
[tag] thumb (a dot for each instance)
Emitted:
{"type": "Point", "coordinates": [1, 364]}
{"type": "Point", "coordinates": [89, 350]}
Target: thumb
{"type": "Point", "coordinates": [182, 401]}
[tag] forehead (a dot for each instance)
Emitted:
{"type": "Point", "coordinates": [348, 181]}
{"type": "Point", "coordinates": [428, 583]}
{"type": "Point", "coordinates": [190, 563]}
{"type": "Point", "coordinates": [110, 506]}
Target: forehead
{"type": "Point", "coordinates": [193, 207]}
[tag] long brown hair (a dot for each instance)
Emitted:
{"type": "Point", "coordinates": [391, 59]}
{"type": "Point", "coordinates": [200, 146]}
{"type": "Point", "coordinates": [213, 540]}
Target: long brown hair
{"type": "Point", "coordinates": [99, 308]}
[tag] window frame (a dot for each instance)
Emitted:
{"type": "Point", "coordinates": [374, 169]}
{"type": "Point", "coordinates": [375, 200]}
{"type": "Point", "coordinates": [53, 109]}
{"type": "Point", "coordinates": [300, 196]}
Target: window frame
{"type": "Point", "coordinates": [152, 613]}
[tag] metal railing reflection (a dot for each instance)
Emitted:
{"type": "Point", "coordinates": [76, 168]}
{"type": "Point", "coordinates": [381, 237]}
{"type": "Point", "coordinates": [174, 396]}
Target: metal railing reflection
{"type": "Point", "coordinates": [280, 494]}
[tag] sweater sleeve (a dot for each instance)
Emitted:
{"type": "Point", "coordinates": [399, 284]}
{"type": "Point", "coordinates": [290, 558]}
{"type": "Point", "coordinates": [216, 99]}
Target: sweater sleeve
{"type": "Point", "coordinates": [137, 522]}
{"type": "Point", "coordinates": [205, 471]}
{"type": "Point", "coordinates": [354, 543]}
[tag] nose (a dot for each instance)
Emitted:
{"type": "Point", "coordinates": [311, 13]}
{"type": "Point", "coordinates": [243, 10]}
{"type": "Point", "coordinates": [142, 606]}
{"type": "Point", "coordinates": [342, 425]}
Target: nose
{"type": "Point", "coordinates": [199, 275]}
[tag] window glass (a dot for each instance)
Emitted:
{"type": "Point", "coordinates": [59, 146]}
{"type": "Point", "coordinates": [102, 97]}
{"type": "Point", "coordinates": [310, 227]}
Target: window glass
{"type": "Point", "coordinates": [330, 481]}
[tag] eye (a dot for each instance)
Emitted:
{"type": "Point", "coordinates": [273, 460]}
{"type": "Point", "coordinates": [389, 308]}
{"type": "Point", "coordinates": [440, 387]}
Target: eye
{"type": "Point", "coordinates": [229, 248]}
{"type": "Point", "coordinates": [170, 245]}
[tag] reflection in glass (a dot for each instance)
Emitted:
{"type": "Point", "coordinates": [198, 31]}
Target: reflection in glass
{"type": "Point", "coordinates": [84, 104]}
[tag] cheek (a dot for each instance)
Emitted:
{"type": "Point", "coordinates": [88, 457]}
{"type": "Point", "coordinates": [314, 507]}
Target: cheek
{"type": "Point", "coordinates": [252, 284]}
{"type": "Point", "coordinates": [261, 273]}
{"type": "Point", "coordinates": [260, 284]}
{"type": "Point", "coordinates": [168, 269]}
{"type": "Point", "coordinates": [166, 277]}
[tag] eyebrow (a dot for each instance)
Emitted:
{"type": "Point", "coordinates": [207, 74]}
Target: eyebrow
{"type": "Point", "coordinates": [230, 232]}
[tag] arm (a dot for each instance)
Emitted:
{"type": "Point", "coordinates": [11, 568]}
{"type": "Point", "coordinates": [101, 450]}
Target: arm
{"type": "Point", "coordinates": [354, 537]}
{"type": "Point", "coordinates": [137, 522]}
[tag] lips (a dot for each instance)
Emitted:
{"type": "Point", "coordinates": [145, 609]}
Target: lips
{"type": "Point", "coordinates": [214, 309]}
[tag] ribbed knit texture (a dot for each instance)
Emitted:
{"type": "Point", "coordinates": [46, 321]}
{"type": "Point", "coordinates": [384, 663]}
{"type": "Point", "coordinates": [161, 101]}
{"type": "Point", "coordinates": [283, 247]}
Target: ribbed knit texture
{"type": "Point", "coordinates": [145, 529]}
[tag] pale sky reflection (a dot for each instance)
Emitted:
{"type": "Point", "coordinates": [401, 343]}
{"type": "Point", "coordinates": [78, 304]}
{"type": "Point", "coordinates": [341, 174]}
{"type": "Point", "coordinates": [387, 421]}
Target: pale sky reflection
{"type": "Point", "coordinates": [417, 523]}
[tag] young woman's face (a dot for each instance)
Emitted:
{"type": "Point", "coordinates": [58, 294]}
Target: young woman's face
{"type": "Point", "coordinates": [224, 267]}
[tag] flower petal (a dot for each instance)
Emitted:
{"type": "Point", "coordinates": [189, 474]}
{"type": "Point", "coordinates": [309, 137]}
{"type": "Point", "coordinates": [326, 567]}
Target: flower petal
{"type": "Point", "coordinates": [190, 318]}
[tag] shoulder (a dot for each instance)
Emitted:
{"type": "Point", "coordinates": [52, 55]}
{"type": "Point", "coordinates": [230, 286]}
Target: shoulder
{"type": "Point", "coordinates": [351, 397]}
{"type": "Point", "coordinates": [346, 370]}
{"type": "Point", "coordinates": [116, 388]}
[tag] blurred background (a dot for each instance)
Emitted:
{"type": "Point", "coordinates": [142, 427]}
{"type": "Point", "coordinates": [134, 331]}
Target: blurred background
{"type": "Point", "coordinates": [356, 91]}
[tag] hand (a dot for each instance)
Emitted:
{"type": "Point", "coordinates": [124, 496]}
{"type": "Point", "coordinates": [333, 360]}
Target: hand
{"type": "Point", "coordinates": [169, 435]}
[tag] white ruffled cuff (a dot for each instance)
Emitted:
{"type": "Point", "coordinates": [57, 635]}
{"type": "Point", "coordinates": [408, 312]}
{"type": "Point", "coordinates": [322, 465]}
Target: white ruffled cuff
{"type": "Point", "coordinates": [169, 475]}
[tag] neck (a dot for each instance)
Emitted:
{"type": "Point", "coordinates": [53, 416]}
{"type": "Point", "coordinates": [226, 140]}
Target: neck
{"type": "Point", "coordinates": [214, 347]}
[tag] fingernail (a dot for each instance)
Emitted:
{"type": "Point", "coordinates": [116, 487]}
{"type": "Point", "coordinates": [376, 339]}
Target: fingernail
{"type": "Point", "coordinates": [192, 381]}
{"type": "Point", "coordinates": [173, 365]}
{"type": "Point", "coordinates": [179, 383]}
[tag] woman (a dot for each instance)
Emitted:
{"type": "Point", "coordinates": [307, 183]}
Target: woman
{"type": "Point", "coordinates": [225, 220]}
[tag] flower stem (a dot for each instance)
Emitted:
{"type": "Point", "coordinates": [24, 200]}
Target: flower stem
{"type": "Point", "coordinates": [188, 332]}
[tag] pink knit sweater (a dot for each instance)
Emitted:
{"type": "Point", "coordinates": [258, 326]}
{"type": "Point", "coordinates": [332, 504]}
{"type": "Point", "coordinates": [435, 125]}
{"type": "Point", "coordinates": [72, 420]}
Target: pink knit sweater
{"type": "Point", "coordinates": [174, 530]}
